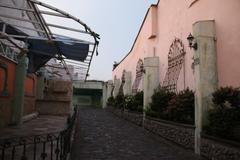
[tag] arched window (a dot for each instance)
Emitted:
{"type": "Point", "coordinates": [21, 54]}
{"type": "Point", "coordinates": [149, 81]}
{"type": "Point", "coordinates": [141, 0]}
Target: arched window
{"type": "Point", "coordinates": [139, 76]}
{"type": "Point", "coordinates": [175, 64]}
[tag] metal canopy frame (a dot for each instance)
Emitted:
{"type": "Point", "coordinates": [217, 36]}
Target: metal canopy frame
{"type": "Point", "coordinates": [44, 30]}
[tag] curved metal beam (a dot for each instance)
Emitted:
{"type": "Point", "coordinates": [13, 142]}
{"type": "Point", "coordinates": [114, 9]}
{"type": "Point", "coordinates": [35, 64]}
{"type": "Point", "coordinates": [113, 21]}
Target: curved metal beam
{"type": "Point", "coordinates": [95, 35]}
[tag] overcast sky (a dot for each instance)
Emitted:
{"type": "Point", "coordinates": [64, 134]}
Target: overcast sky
{"type": "Point", "coordinates": [117, 22]}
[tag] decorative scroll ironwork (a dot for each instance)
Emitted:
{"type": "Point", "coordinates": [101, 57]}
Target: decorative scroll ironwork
{"type": "Point", "coordinates": [175, 64]}
{"type": "Point", "coordinates": [139, 76]}
{"type": "Point", "coordinates": [49, 146]}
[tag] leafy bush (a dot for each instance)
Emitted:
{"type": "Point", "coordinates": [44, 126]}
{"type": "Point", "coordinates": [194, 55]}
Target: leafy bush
{"type": "Point", "coordinates": [227, 95]}
{"type": "Point", "coordinates": [225, 116]}
{"type": "Point", "coordinates": [174, 107]}
{"type": "Point", "coordinates": [119, 101]}
{"type": "Point", "coordinates": [138, 101]}
{"type": "Point", "coordinates": [181, 107]}
{"type": "Point", "coordinates": [129, 102]}
{"type": "Point", "coordinates": [111, 101]}
{"type": "Point", "coordinates": [134, 103]}
{"type": "Point", "coordinates": [222, 123]}
{"type": "Point", "coordinates": [160, 99]}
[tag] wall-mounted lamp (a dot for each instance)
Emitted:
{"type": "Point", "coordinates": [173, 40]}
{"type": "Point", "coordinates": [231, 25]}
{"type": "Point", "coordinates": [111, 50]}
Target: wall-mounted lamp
{"type": "Point", "coordinates": [192, 43]}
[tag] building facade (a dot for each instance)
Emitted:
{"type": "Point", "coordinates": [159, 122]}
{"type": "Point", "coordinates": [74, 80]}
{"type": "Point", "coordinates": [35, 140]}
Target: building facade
{"type": "Point", "coordinates": [183, 44]}
{"type": "Point", "coordinates": [164, 33]}
{"type": "Point", "coordinates": [32, 79]}
{"type": "Point", "coordinates": [8, 67]}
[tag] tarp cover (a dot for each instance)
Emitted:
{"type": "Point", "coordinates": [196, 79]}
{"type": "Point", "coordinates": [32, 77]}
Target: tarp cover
{"type": "Point", "coordinates": [41, 51]}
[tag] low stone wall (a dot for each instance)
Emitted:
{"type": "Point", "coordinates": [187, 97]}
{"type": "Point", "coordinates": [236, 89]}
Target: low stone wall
{"type": "Point", "coordinates": [50, 107]}
{"type": "Point", "coordinates": [219, 149]}
{"type": "Point", "coordinates": [136, 118]}
{"type": "Point", "coordinates": [179, 133]}
{"type": "Point", "coordinates": [183, 135]}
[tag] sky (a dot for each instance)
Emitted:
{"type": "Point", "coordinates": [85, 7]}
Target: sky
{"type": "Point", "coordinates": [117, 22]}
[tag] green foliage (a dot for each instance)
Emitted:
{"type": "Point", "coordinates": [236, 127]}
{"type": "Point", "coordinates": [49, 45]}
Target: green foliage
{"type": "Point", "coordinates": [181, 107]}
{"type": "Point", "coordinates": [174, 107]}
{"type": "Point", "coordinates": [222, 122]}
{"type": "Point", "coordinates": [225, 116]}
{"type": "Point", "coordinates": [119, 101]}
{"type": "Point", "coordinates": [134, 103]}
{"type": "Point", "coordinates": [227, 95]}
{"type": "Point", "coordinates": [138, 97]}
{"type": "Point", "coordinates": [129, 102]}
{"type": "Point", "coordinates": [160, 99]}
{"type": "Point", "coordinates": [111, 101]}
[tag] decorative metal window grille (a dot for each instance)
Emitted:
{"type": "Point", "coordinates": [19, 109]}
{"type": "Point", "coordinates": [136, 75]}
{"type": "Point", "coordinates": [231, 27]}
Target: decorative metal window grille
{"type": "Point", "coordinates": [139, 76]}
{"type": "Point", "coordinates": [175, 64]}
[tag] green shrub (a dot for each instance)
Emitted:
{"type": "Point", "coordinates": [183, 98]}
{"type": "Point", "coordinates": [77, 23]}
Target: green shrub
{"type": "Point", "coordinates": [225, 116]}
{"type": "Point", "coordinates": [181, 107]}
{"type": "Point", "coordinates": [119, 101]}
{"type": "Point", "coordinates": [134, 103]}
{"type": "Point", "coordinates": [129, 102]}
{"type": "Point", "coordinates": [222, 122]}
{"type": "Point", "coordinates": [173, 107]}
{"type": "Point", "coordinates": [138, 100]}
{"type": "Point", "coordinates": [162, 115]}
{"type": "Point", "coordinates": [111, 101]}
{"type": "Point", "coordinates": [160, 99]}
{"type": "Point", "coordinates": [227, 94]}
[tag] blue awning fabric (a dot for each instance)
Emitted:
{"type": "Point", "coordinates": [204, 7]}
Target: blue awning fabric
{"type": "Point", "coordinates": [41, 51]}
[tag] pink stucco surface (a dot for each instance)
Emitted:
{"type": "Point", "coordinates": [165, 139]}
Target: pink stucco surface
{"type": "Point", "coordinates": [171, 19]}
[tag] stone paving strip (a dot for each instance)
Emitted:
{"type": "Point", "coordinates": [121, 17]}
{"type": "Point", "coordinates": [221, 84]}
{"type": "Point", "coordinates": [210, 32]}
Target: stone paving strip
{"type": "Point", "coordinates": [43, 124]}
{"type": "Point", "coordinates": [102, 136]}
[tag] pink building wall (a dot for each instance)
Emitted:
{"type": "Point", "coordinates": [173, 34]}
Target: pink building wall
{"type": "Point", "coordinates": [171, 19]}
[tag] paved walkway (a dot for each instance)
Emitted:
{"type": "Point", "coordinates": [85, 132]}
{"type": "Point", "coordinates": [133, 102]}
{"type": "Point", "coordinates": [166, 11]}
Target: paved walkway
{"type": "Point", "coordinates": [103, 136]}
{"type": "Point", "coordinates": [43, 124]}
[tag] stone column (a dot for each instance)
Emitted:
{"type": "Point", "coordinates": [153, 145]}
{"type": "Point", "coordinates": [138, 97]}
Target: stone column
{"type": "Point", "coordinates": [40, 87]}
{"type": "Point", "coordinates": [127, 88]}
{"type": "Point", "coordinates": [104, 95]}
{"type": "Point", "coordinates": [205, 73]}
{"type": "Point", "coordinates": [19, 90]}
{"type": "Point", "coordinates": [117, 84]}
{"type": "Point", "coordinates": [151, 79]}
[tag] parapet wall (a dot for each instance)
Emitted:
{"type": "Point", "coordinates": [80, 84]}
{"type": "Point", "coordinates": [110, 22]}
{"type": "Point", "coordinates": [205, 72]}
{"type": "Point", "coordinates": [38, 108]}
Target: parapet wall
{"type": "Point", "coordinates": [57, 99]}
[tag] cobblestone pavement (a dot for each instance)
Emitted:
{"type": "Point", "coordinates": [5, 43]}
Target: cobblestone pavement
{"type": "Point", "coordinates": [102, 136]}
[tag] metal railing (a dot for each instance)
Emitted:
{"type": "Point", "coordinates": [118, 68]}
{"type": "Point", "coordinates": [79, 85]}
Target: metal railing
{"type": "Point", "coordinates": [52, 146]}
